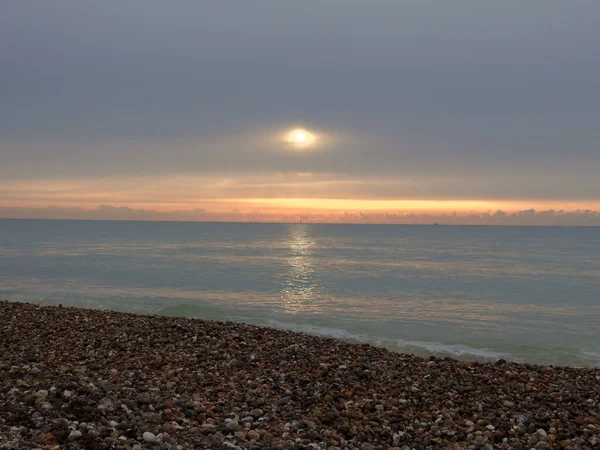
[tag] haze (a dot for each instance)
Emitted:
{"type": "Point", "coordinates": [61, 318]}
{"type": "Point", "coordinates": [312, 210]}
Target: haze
{"type": "Point", "coordinates": [413, 111]}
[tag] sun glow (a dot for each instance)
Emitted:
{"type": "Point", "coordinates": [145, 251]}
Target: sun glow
{"type": "Point", "coordinates": [300, 138]}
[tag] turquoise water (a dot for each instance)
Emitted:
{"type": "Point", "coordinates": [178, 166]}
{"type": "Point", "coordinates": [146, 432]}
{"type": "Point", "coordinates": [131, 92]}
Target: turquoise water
{"type": "Point", "coordinates": [529, 294]}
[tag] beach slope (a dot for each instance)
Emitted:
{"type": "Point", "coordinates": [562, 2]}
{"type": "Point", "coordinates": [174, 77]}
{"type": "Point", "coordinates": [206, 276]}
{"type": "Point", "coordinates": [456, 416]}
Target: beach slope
{"type": "Point", "coordinates": [88, 379]}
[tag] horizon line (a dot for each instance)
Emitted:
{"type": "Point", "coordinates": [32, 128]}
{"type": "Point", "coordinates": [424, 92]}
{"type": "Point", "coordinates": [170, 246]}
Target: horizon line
{"type": "Point", "coordinates": [435, 224]}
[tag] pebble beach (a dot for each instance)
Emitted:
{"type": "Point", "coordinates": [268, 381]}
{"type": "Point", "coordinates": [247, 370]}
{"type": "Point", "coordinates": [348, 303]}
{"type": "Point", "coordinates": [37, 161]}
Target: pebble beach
{"type": "Point", "coordinates": [90, 379]}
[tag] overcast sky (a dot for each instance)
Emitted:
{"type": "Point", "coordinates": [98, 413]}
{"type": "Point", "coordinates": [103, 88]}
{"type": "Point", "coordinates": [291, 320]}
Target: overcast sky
{"type": "Point", "coordinates": [145, 102]}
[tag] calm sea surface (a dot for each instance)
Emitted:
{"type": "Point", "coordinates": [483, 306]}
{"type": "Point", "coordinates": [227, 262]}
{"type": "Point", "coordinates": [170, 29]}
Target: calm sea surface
{"type": "Point", "coordinates": [529, 294]}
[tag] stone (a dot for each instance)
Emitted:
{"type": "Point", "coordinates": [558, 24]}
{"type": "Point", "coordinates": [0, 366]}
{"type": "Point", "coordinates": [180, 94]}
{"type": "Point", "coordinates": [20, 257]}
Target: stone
{"type": "Point", "coordinates": [149, 437]}
{"type": "Point", "coordinates": [232, 424]}
{"type": "Point", "coordinates": [154, 418]}
{"type": "Point", "coordinates": [74, 435]}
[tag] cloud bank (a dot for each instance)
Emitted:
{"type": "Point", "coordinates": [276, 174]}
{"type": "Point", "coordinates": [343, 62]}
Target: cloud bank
{"type": "Point", "coordinates": [108, 212]}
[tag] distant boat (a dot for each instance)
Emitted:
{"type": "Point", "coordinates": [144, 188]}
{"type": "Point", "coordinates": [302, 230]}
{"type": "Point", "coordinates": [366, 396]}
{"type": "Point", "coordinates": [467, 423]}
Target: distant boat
{"type": "Point", "coordinates": [435, 224]}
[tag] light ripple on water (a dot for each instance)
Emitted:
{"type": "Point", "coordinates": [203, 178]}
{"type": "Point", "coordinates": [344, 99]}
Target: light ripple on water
{"type": "Point", "coordinates": [528, 294]}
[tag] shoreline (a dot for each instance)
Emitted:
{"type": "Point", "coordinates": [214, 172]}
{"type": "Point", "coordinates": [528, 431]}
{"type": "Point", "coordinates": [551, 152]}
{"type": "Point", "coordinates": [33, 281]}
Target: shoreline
{"type": "Point", "coordinates": [84, 378]}
{"type": "Point", "coordinates": [459, 350]}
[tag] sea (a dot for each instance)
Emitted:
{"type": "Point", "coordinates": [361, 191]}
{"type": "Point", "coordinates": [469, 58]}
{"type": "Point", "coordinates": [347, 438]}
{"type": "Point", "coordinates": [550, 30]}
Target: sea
{"type": "Point", "coordinates": [524, 294]}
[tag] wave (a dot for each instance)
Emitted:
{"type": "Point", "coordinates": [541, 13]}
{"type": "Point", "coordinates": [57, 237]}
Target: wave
{"type": "Point", "coordinates": [590, 354]}
{"type": "Point", "coordinates": [78, 299]}
{"type": "Point", "coordinates": [264, 316]}
{"type": "Point", "coordinates": [407, 346]}
{"type": "Point", "coordinates": [455, 349]}
{"type": "Point", "coordinates": [199, 311]}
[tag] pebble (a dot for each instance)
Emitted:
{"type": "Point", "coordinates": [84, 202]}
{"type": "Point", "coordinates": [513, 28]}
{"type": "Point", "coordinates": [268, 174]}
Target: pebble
{"type": "Point", "coordinates": [232, 424]}
{"type": "Point", "coordinates": [75, 434]}
{"type": "Point", "coordinates": [149, 437]}
{"type": "Point", "coordinates": [101, 379]}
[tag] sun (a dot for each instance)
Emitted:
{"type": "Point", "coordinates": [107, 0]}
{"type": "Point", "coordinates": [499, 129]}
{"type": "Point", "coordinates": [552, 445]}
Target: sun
{"type": "Point", "coordinates": [300, 138]}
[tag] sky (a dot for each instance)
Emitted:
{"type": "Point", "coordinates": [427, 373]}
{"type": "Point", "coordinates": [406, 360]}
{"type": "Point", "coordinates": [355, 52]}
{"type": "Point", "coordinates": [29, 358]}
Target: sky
{"type": "Point", "coordinates": [410, 111]}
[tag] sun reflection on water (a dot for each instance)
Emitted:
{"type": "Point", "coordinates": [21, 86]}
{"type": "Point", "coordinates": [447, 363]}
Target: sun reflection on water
{"type": "Point", "coordinates": [299, 290]}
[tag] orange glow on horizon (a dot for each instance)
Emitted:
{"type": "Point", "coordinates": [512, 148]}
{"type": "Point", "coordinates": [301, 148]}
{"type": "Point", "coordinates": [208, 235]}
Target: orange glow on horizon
{"type": "Point", "coordinates": [297, 205]}
{"type": "Point", "coordinates": [405, 205]}
{"type": "Point", "coordinates": [252, 196]}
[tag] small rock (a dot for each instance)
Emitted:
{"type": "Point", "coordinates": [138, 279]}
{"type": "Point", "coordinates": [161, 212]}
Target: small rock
{"type": "Point", "coordinates": [154, 418]}
{"type": "Point", "coordinates": [75, 434]}
{"type": "Point", "coordinates": [232, 424]}
{"type": "Point", "coordinates": [149, 437]}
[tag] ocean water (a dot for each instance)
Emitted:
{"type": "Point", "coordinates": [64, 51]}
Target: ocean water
{"type": "Point", "coordinates": [527, 294]}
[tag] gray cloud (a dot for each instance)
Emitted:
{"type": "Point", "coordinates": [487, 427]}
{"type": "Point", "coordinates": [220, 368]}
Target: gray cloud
{"type": "Point", "coordinates": [108, 212]}
{"type": "Point", "coordinates": [505, 96]}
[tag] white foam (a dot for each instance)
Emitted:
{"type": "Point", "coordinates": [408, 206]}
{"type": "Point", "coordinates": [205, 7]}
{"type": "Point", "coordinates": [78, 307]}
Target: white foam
{"type": "Point", "coordinates": [454, 349]}
{"type": "Point", "coordinates": [590, 354]}
{"type": "Point", "coordinates": [337, 333]}
{"type": "Point", "coordinates": [396, 344]}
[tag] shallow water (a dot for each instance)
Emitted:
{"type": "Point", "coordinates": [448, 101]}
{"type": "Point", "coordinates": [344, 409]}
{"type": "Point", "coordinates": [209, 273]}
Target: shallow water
{"type": "Point", "coordinates": [529, 294]}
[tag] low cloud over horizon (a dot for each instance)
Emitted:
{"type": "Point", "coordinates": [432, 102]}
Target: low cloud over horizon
{"type": "Point", "coordinates": [107, 212]}
{"type": "Point", "coordinates": [403, 109]}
